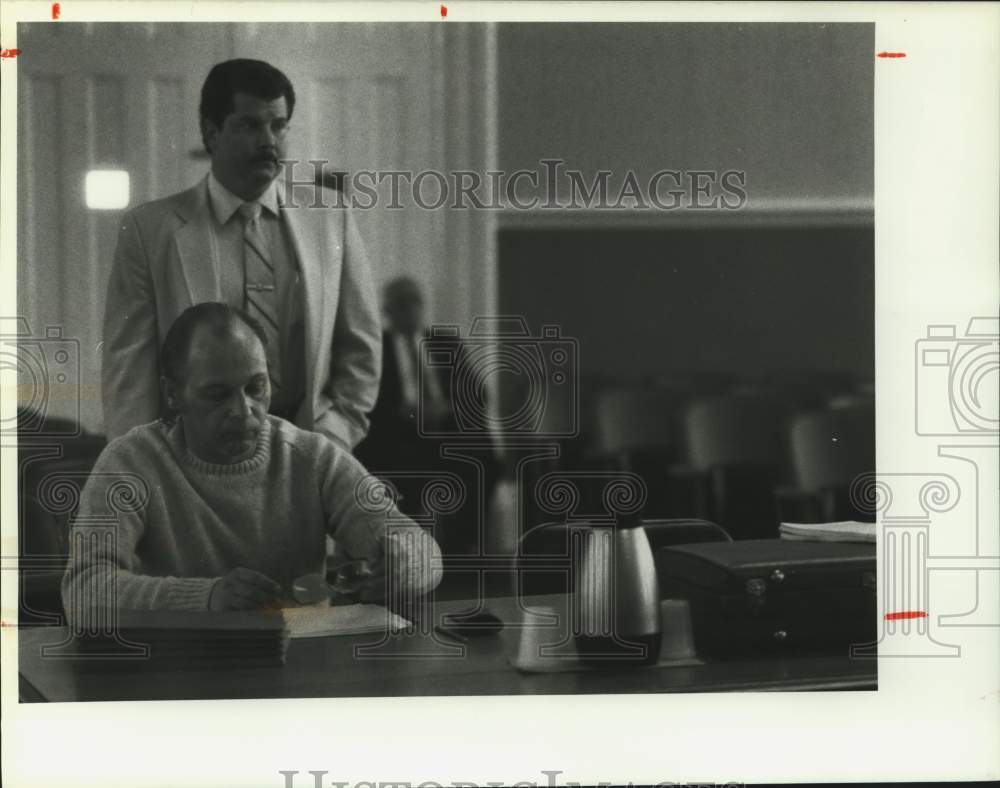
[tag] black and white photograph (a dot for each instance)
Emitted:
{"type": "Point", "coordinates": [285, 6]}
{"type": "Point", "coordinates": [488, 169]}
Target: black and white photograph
{"type": "Point", "coordinates": [449, 356]}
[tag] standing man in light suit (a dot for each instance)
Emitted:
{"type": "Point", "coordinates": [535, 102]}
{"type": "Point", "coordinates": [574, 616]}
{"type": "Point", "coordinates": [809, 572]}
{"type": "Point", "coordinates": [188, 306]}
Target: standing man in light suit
{"type": "Point", "coordinates": [240, 238]}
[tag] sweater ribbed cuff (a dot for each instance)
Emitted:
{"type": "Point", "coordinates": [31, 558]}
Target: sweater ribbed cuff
{"type": "Point", "coordinates": [190, 593]}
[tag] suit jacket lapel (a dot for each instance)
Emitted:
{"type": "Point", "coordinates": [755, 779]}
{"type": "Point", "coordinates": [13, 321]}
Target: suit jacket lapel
{"type": "Point", "coordinates": [305, 228]}
{"type": "Point", "coordinates": [196, 246]}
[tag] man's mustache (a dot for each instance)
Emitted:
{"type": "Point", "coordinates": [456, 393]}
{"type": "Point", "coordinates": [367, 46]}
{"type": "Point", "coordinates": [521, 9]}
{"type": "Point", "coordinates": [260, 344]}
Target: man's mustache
{"type": "Point", "coordinates": [265, 157]}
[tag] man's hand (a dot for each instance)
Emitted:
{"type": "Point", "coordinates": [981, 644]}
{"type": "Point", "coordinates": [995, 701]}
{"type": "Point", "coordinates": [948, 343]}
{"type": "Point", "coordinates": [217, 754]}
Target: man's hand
{"type": "Point", "coordinates": [377, 584]}
{"type": "Point", "coordinates": [357, 580]}
{"type": "Point", "coordinates": [409, 561]}
{"type": "Point", "coordinates": [373, 585]}
{"type": "Point", "coordinates": [243, 589]}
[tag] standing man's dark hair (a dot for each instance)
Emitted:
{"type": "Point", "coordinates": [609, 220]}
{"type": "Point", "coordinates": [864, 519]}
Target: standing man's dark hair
{"type": "Point", "coordinates": [253, 77]}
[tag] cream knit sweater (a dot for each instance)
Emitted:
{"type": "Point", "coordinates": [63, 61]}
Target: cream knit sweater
{"type": "Point", "coordinates": [157, 527]}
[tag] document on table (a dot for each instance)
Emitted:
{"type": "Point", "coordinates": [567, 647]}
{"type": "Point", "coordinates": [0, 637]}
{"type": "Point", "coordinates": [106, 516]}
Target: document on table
{"type": "Point", "coordinates": [844, 531]}
{"type": "Point", "coordinates": [318, 622]}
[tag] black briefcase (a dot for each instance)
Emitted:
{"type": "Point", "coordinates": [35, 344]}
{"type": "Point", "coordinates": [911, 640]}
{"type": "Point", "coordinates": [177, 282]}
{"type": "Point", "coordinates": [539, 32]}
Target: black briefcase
{"type": "Point", "coordinates": [772, 595]}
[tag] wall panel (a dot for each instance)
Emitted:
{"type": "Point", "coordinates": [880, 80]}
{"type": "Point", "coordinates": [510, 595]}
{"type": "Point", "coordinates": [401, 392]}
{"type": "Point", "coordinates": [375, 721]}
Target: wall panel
{"type": "Point", "coordinates": [164, 103]}
{"type": "Point", "coordinates": [97, 96]}
{"type": "Point", "coordinates": [39, 198]}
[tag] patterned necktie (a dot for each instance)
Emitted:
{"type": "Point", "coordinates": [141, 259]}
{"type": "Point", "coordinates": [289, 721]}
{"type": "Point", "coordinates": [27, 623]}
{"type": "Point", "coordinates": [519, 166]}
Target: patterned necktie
{"type": "Point", "coordinates": [260, 288]}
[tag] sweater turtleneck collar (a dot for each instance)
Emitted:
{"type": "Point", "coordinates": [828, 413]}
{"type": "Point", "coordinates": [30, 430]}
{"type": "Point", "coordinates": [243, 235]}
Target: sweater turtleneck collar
{"type": "Point", "coordinates": [255, 462]}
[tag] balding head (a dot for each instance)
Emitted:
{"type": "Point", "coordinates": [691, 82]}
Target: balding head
{"type": "Point", "coordinates": [215, 319]}
{"type": "Point", "coordinates": [215, 378]}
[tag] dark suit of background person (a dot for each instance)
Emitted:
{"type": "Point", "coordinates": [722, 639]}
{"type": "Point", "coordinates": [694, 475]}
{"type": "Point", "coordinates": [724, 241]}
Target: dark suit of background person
{"type": "Point", "coordinates": [394, 442]}
{"type": "Point", "coordinates": [192, 247]}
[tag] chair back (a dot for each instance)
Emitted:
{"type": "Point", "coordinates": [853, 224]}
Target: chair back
{"type": "Point", "coordinates": [735, 431]}
{"type": "Point", "coordinates": [630, 420]}
{"type": "Point", "coordinates": [853, 401]}
{"type": "Point", "coordinates": [831, 448]}
{"type": "Point", "coordinates": [667, 532]}
{"type": "Point", "coordinates": [51, 477]}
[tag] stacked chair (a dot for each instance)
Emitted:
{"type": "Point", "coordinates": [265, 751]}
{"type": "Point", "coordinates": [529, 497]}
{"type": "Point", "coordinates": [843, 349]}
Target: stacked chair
{"type": "Point", "coordinates": [830, 450]}
{"type": "Point", "coordinates": [735, 452]}
{"type": "Point", "coordinates": [638, 429]}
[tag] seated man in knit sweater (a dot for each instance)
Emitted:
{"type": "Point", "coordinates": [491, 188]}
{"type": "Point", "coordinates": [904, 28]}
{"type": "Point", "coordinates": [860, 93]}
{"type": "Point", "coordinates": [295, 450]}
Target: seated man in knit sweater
{"type": "Point", "coordinates": [229, 506]}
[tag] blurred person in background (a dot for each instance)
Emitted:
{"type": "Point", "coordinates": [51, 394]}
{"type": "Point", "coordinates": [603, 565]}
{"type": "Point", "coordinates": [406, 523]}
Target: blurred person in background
{"type": "Point", "coordinates": [416, 399]}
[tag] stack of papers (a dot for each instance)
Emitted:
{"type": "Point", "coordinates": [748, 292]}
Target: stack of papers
{"type": "Point", "coordinates": [178, 638]}
{"type": "Point", "coordinates": [321, 621]}
{"type": "Point", "coordinates": [843, 531]}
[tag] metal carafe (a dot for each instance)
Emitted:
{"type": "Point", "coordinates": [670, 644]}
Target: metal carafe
{"type": "Point", "coordinates": [616, 605]}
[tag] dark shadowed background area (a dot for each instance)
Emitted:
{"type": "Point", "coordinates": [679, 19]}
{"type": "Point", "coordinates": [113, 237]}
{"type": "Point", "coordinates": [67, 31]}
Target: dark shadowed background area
{"type": "Point", "coordinates": [748, 303]}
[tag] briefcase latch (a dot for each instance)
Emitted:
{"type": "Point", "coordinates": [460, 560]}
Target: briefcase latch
{"type": "Point", "coordinates": [777, 576]}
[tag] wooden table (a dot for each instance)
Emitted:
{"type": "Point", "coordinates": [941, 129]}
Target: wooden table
{"type": "Point", "coordinates": [413, 665]}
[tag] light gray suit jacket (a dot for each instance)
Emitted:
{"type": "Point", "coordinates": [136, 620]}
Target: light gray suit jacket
{"type": "Point", "coordinates": [163, 265]}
